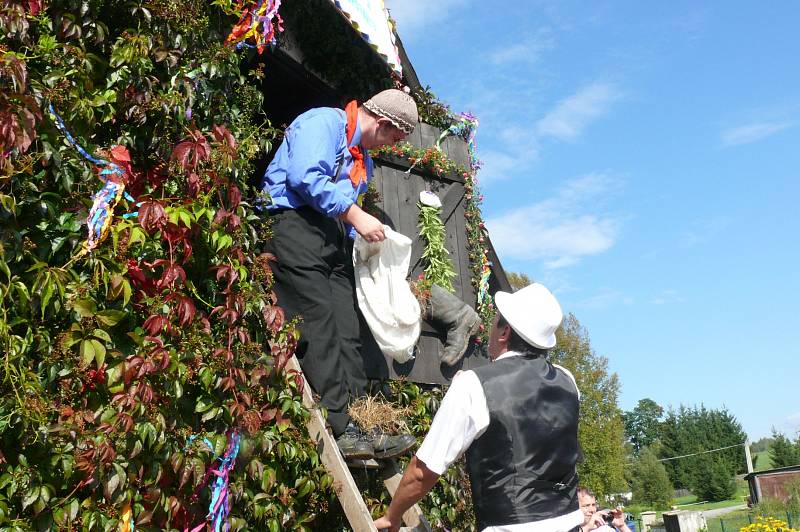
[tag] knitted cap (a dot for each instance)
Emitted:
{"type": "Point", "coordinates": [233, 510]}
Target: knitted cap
{"type": "Point", "coordinates": [397, 106]}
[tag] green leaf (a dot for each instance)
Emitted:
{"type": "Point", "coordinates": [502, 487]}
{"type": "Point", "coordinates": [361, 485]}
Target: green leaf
{"type": "Point", "coordinates": [92, 349]}
{"type": "Point", "coordinates": [203, 404]}
{"type": "Point", "coordinates": [30, 497]}
{"type": "Point", "coordinates": [137, 236]}
{"type": "Point", "coordinates": [110, 485]}
{"type": "Point", "coordinates": [211, 414]}
{"type": "Point", "coordinates": [86, 352]}
{"type": "Point", "coordinates": [110, 317]}
{"type": "Point", "coordinates": [85, 307]}
{"type": "Point", "coordinates": [101, 334]}
{"type": "Point", "coordinates": [127, 291]}
{"type": "Point", "coordinates": [186, 218]}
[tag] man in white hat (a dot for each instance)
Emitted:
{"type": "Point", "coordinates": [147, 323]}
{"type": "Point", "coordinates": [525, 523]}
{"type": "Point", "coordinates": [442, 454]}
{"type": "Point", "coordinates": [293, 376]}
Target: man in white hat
{"type": "Point", "coordinates": [314, 182]}
{"type": "Point", "coordinates": [517, 421]}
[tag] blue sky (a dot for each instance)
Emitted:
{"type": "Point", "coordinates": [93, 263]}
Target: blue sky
{"type": "Point", "coordinates": [641, 160]}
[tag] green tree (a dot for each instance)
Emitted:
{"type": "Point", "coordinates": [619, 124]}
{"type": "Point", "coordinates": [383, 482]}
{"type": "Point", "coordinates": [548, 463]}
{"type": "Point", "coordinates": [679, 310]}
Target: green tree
{"type": "Point", "coordinates": [601, 430]}
{"type": "Point", "coordinates": [690, 431]}
{"type": "Point", "coordinates": [784, 452]}
{"type": "Point", "coordinates": [762, 445]}
{"type": "Point", "coordinates": [643, 423]}
{"type": "Point", "coordinates": [649, 480]}
{"type": "Point", "coordinates": [712, 479]}
{"type": "Point", "coordinates": [518, 280]}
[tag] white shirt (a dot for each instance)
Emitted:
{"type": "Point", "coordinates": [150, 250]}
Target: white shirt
{"type": "Point", "coordinates": [462, 418]}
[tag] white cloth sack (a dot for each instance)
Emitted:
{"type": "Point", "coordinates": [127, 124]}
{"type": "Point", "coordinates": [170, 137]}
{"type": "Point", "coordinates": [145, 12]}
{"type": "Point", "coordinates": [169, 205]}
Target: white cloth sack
{"type": "Point", "coordinates": [389, 307]}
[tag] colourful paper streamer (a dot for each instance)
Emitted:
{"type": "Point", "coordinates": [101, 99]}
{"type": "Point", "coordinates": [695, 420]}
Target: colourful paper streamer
{"type": "Point", "coordinates": [101, 214]}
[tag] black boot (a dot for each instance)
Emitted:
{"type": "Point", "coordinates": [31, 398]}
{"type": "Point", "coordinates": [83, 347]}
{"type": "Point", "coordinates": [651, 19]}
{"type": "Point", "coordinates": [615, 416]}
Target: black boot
{"type": "Point", "coordinates": [354, 444]}
{"type": "Point", "coordinates": [387, 445]}
{"type": "Point", "coordinates": [456, 318]}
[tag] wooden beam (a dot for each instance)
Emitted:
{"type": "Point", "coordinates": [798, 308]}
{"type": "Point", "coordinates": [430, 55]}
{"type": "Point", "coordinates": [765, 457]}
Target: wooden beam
{"type": "Point", "coordinates": [346, 489]}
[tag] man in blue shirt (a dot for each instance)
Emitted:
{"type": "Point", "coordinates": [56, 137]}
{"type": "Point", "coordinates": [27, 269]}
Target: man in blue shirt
{"type": "Point", "coordinates": [314, 182]}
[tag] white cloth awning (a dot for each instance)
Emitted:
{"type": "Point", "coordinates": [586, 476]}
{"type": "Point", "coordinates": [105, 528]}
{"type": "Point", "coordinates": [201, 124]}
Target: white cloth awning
{"type": "Point", "coordinates": [371, 20]}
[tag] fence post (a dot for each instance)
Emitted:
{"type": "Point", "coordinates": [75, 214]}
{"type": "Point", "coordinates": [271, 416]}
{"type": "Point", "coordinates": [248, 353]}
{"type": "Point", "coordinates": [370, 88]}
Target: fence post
{"type": "Point", "coordinates": [750, 518]}
{"type": "Point", "coordinates": [722, 524]}
{"type": "Point", "coordinates": [789, 518]}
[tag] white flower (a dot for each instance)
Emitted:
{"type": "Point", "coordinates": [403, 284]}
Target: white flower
{"type": "Point", "coordinates": [430, 199]}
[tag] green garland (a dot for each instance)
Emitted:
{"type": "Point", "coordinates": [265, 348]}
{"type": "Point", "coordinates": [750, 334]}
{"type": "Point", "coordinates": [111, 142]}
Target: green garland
{"type": "Point", "coordinates": [439, 268]}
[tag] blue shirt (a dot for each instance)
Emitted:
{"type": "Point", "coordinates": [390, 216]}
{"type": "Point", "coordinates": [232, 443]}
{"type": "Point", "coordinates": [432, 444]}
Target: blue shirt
{"type": "Point", "coordinates": [303, 168]}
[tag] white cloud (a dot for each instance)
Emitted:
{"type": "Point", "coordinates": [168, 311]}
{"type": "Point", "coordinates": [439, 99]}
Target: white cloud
{"type": "Point", "coordinates": [515, 158]}
{"type": "Point", "coordinates": [573, 114]}
{"type": "Point", "coordinates": [604, 298]}
{"type": "Point", "coordinates": [666, 297]}
{"type": "Point", "coordinates": [413, 16]}
{"type": "Point", "coordinates": [746, 134]}
{"type": "Point", "coordinates": [559, 230]}
{"type": "Point", "coordinates": [528, 50]}
{"type": "Point", "coordinates": [703, 231]}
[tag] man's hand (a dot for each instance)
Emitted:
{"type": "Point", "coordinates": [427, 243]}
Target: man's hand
{"type": "Point", "coordinates": [619, 520]}
{"type": "Point", "coordinates": [619, 517]}
{"type": "Point", "coordinates": [369, 227]}
{"type": "Point", "coordinates": [596, 521]}
{"type": "Point", "coordinates": [385, 524]}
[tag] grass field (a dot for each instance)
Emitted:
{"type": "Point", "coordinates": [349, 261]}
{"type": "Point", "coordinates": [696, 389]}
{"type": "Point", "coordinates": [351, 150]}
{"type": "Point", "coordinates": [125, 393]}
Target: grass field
{"type": "Point", "coordinates": [762, 461]}
{"type": "Point", "coordinates": [690, 502]}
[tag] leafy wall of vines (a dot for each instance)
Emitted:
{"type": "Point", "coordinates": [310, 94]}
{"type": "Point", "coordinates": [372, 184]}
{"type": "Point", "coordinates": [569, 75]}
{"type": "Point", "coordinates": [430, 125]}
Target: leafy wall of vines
{"type": "Point", "coordinates": [114, 360]}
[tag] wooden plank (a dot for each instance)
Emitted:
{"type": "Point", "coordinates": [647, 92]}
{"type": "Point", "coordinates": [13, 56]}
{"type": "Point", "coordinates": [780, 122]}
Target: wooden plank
{"type": "Point", "coordinates": [428, 135]}
{"type": "Point", "coordinates": [461, 258]}
{"type": "Point", "coordinates": [414, 137]}
{"type": "Point", "coordinates": [414, 519]}
{"type": "Point", "coordinates": [346, 489]}
{"type": "Point", "coordinates": [457, 150]}
{"type": "Point", "coordinates": [391, 206]}
{"type": "Point", "coordinates": [408, 189]}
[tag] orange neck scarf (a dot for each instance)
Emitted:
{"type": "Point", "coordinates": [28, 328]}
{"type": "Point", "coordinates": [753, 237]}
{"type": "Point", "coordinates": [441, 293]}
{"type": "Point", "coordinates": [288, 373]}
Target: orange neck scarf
{"type": "Point", "coordinates": [358, 172]}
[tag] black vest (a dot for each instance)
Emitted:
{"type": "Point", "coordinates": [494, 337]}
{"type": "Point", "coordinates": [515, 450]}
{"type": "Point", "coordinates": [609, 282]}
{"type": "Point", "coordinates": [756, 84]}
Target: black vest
{"type": "Point", "coordinates": [523, 467]}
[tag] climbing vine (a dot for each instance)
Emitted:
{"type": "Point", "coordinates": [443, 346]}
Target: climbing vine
{"type": "Point", "coordinates": [137, 367]}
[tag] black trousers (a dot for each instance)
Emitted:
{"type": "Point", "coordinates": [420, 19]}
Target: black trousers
{"type": "Point", "coordinates": [314, 279]}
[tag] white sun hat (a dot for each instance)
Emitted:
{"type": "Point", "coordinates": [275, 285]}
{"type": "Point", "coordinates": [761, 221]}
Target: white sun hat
{"type": "Point", "coordinates": [533, 312]}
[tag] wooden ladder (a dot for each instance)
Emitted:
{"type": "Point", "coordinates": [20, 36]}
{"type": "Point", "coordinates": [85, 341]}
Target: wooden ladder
{"type": "Point", "coordinates": [345, 486]}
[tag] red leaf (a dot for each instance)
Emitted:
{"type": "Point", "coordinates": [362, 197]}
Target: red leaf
{"type": "Point", "coordinates": [273, 317]}
{"type": "Point", "coordinates": [191, 152]}
{"type": "Point", "coordinates": [119, 154]}
{"type": "Point", "coordinates": [152, 216]}
{"type": "Point", "coordinates": [223, 136]}
{"type": "Point", "coordinates": [234, 197]}
{"type": "Point", "coordinates": [185, 310]}
{"type": "Point", "coordinates": [233, 223]}
{"type": "Point", "coordinates": [173, 275]}
{"type": "Point", "coordinates": [221, 215]}
{"type": "Point", "coordinates": [155, 324]}
{"type": "Point", "coordinates": [34, 6]}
